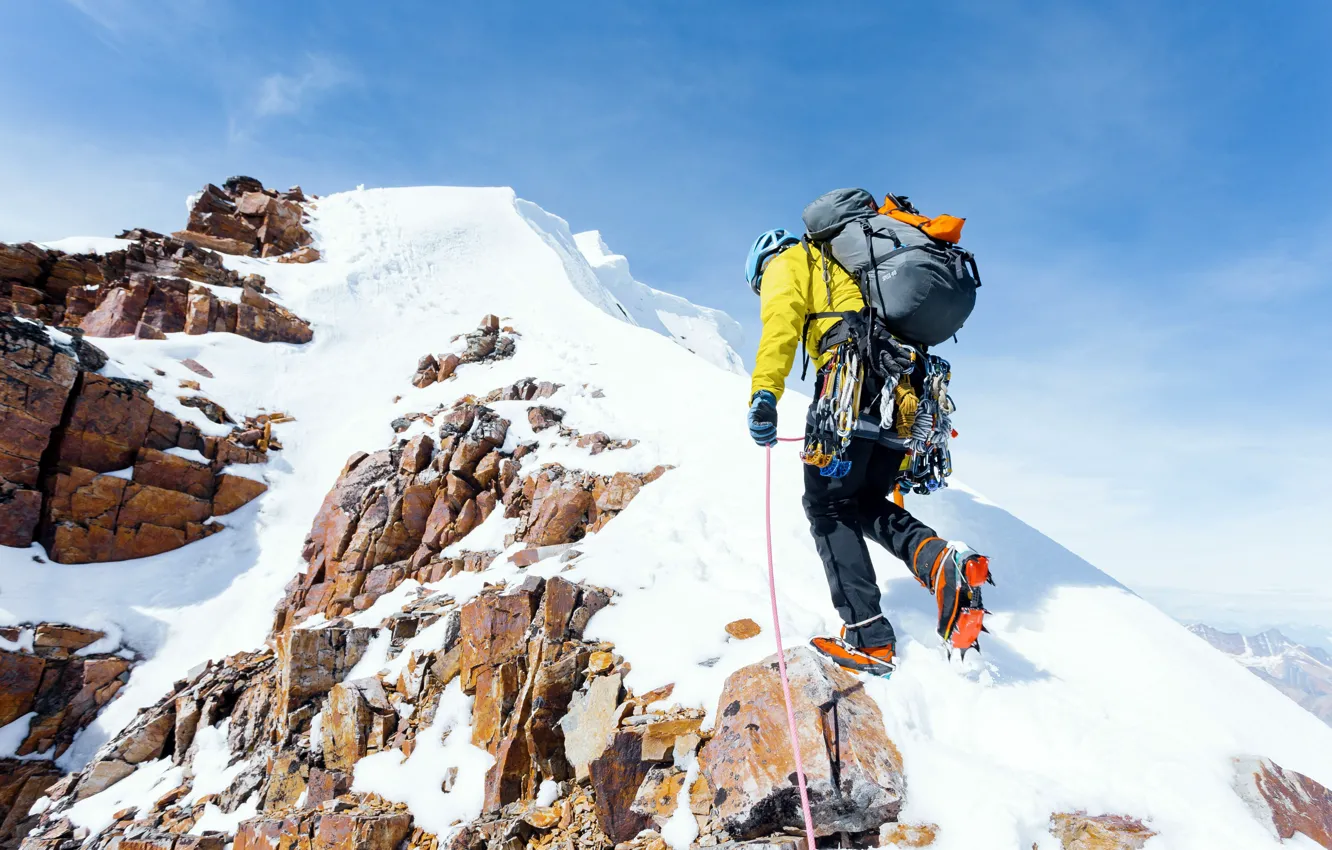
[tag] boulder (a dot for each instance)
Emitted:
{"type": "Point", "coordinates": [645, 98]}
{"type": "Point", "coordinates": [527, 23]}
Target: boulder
{"type": "Point", "coordinates": [743, 629]}
{"type": "Point", "coordinates": [854, 772]}
{"type": "Point", "coordinates": [542, 417]}
{"type": "Point", "coordinates": [416, 455]}
{"type": "Point", "coordinates": [235, 491]}
{"type": "Point", "coordinates": [264, 320]}
{"type": "Point", "coordinates": [1286, 801]}
{"type": "Point", "coordinates": [1079, 831]}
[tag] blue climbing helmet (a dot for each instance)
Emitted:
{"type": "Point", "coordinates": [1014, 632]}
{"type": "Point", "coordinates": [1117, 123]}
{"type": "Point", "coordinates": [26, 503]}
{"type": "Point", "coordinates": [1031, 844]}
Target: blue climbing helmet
{"type": "Point", "coordinates": [766, 247]}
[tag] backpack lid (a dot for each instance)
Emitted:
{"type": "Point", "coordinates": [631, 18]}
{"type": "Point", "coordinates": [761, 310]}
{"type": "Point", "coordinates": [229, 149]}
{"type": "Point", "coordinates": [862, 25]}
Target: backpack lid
{"type": "Point", "coordinates": [830, 212]}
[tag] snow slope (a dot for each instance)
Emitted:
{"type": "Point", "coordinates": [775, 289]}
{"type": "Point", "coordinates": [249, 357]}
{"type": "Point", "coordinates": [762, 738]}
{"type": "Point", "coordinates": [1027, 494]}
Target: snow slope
{"type": "Point", "coordinates": [1086, 697]}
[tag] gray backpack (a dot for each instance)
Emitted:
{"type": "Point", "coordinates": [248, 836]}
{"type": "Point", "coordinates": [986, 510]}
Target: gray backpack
{"type": "Point", "coordinates": [919, 288]}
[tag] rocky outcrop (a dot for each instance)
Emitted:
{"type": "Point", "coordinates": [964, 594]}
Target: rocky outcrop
{"type": "Point", "coordinates": [56, 683]}
{"type": "Point", "coordinates": [156, 286]}
{"type": "Point", "coordinates": [853, 771]}
{"type": "Point", "coordinates": [150, 307]}
{"type": "Point", "coordinates": [22, 783]}
{"type": "Point", "coordinates": [486, 344]}
{"type": "Point", "coordinates": [393, 514]}
{"type": "Point", "coordinates": [64, 429]}
{"type": "Point", "coordinates": [1286, 801]}
{"type": "Point", "coordinates": [242, 217]}
{"type": "Point", "coordinates": [56, 288]}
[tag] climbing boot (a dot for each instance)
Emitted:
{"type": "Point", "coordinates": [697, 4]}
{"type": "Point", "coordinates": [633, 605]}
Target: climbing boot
{"type": "Point", "coordinates": [875, 660]}
{"type": "Point", "coordinates": [956, 576]}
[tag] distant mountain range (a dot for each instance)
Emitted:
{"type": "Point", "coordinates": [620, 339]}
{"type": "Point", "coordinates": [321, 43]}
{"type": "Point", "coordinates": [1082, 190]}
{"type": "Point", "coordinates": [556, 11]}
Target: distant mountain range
{"type": "Point", "coordinates": [1303, 673]}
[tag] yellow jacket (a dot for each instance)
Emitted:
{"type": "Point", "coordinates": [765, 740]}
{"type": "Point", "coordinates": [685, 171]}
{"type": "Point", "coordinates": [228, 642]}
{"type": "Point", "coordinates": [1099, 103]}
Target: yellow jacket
{"type": "Point", "coordinates": [792, 288]}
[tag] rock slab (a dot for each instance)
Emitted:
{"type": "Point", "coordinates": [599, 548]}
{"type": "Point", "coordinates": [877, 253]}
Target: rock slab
{"type": "Point", "coordinates": [854, 772]}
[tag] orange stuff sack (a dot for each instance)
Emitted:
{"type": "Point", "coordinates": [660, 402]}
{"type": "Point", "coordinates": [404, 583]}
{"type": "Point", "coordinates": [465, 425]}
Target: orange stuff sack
{"type": "Point", "coordinates": [946, 228]}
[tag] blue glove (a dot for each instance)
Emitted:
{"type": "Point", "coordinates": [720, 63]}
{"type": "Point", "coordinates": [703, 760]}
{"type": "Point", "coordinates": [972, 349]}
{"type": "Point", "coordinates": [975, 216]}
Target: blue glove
{"type": "Point", "coordinates": [763, 418]}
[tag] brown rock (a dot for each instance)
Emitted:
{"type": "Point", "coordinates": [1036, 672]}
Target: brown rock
{"type": "Point", "coordinates": [308, 254]}
{"type": "Point", "coordinates": [1287, 801]}
{"type": "Point", "coordinates": [358, 720]}
{"type": "Point", "coordinates": [326, 785]}
{"type": "Point", "coordinates": [22, 264]}
{"type": "Point", "coordinates": [148, 540]}
{"type": "Point", "coordinates": [659, 793]}
{"type": "Point", "coordinates": [542, 417]}
{"type": "Point", "coordinates": [196, 367]}
{"type": "Point", "coordinates": [146, 505]}
{"type": "Point", "coordinates": [619, 492]}
{"type": "Point", "coordinates": [416, 454]}
{"type": "Point", "coordinates": [170, 472]}
{"type": "Point", "coordinates": [35, 381]}
{"type": "Point", "coordinates": [616, 775]}
{"type": "Point", "coordinates": [743, 629]}
{"type": "Point", "coordinates": [20, 679]}
{"type": "Point", "coordinates": [360, 830]}
{"type": "Point", "coordinates": [54, 639]}
{"type": "Point", "coordinates": [239, 247]}
{"type": "Point", "coordinates": [235, 491]}
{"type": "Point", "coordinates": [496, 690]}
{"type": "Point", "coordinates": [20, 511]}
{"type": "Point", "coordinates": [22, 783]}
{"type": "Point", "coordinates": [750, 765]}
{"type": "Point", "coordinates": [494, 628]}
{"type": "Point", "coordinates": [100, 776]}
{"type": "Point", "coordinates": [312, 661]}
{"type": "Point", "coordinates": [262, 319]}
{"type": "Point", "coordinates": [109, 421]}
{"type": "Point", "coordinates": [1078, 831]}
{"type": "Point", "coordinates": [590, 722]}
{"type": "Point", "coordinates": [119, 313]}
{"type": "Point", "coordinates": [143, 330]}
{"type": "Point", "coordinates": [448, 364]}
{"type": "Point", "coordinates": [199, 311]}
{"type": "Point", "coordinates": [908, 834]}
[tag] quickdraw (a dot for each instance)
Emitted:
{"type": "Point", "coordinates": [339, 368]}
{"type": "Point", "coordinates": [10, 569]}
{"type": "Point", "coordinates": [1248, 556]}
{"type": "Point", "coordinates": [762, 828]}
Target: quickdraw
{"type": "Point", "coordinates": [833, 422]}
{"type": "Point", "coordinates": [929, 461]}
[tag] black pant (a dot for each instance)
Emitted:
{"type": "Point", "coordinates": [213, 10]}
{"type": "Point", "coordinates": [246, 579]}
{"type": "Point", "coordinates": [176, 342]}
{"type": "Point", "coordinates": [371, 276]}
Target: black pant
{"type": "Point", "coordinates": [844, 511]}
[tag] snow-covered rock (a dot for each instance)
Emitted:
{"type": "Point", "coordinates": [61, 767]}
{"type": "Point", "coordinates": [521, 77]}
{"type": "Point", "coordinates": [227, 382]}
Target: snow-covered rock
{"type": "Point", "coordinates": [1303, 673]}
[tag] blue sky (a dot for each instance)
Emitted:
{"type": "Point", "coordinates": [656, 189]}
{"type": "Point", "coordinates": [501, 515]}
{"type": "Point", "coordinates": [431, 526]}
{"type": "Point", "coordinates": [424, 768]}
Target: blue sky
{"type": "Point", "coordinates": [1147, 187]}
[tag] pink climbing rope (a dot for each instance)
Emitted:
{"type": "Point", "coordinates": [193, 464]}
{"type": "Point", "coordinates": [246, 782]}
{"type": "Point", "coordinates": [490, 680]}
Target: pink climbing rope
{"type": "Point", "coordinates": [781, 652]}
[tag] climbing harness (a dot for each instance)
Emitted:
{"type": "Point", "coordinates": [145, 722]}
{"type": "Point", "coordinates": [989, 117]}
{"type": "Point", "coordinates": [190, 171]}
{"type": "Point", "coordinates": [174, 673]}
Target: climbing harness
{"type": "Point", "coordinates": [781, 652]}
{"type": "Point", "coordinates": [913, 415]}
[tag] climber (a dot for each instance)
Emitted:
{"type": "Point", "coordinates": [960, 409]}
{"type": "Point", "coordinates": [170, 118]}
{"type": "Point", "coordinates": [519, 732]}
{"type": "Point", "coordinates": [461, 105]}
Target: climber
{"type": "Point", "coordinates": [802, 299]}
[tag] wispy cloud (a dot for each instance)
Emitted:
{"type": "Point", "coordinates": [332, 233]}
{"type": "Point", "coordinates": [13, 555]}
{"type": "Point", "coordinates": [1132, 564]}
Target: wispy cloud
{"type": "Point", "coordinates": [290, 93]}
{"type": "Point", "coordinates": [119, 19]}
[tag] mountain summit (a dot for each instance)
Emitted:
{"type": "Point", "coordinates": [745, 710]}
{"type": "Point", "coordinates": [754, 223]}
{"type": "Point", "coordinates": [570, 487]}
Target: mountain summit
{"type": "Point", "coordinates": [400, 518]}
